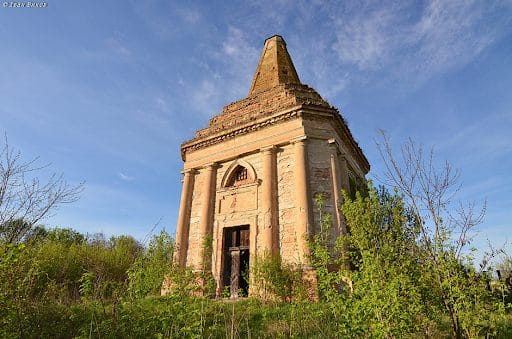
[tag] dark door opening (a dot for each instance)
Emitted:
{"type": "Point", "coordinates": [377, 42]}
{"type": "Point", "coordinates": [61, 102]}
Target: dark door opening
{"type": "Point", "coordinates": [235, 273]}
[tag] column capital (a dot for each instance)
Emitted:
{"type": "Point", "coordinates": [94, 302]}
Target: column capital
{"type": "Point", "coordinates": [268, 149]}
{"type": "Point", "coordinates": [211, 166]}
{"type": "Point", "coordinates": [333, 142]}
{"type": "Point", "coordinates": [335, 146]}
{"type": "Point", "coordinates": [189, 171]}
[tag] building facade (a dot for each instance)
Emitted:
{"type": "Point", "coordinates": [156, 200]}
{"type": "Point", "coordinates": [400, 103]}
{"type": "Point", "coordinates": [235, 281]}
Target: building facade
{"type": "Point", "coordinates": [249, 178]}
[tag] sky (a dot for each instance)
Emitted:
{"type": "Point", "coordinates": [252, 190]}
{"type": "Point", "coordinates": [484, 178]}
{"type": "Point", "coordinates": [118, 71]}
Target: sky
{"type": "Point", "coordinates": [106, 91]}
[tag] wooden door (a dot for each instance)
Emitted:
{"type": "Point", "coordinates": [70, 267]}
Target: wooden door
{"type": "Point", "coordinates": [236, 260]}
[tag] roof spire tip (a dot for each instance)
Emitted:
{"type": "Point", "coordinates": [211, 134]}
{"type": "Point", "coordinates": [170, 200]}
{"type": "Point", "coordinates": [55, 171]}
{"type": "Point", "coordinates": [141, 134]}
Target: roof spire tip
{"type": "Point", "coordinates": [275, 66]}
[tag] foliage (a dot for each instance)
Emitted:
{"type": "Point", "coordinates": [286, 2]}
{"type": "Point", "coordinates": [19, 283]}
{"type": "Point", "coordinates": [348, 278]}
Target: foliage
{"type": "Point", "coordinates": [205, 280]}
{"type": "Point", "coordinates": [391, 289]}
{"type": "Point", "coordinates": [275, 279]}
{"type": "Point", "coordinates": [326, 258]}
{"type": "Point", "coordinates": [56, 270]}
{"type": "Point", "coordinates": [444, 233]}
{"type": "Point", "coordinates": [51, 288]}
{"type": "Point", "coordinates": [149, 270]}
{"type": "Point", "coordinates": [402, 271]}
{"type": "Point", "coordinates": [387, 287]}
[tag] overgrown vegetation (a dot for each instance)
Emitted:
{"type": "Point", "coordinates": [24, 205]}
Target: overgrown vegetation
{"type": "Point", "coordinates": [403, 270]}
{"type": "Point", "coordinates": [62, 284]}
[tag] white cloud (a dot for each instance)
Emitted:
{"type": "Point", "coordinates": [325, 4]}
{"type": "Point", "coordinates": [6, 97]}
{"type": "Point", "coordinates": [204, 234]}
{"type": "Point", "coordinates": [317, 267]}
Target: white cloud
{"type": "Point", "coordinates": [237, 58]}
{"type": "Point", "coordinates": [114, 211]}
{"type": "Point", "coordinates": [117, 47]}
{"type": "Point", "coordinates": [449, 34]}
{"type": "Point", "coordinates": [206, 97]}
{"type": "Point", "coordinates": [162, 104]}
{"type": "Point", "coordinates": [241, 57]}
{"type": "Point", "coordinates": [473, 144]}
{"type": "Point", "coordinates": [366, 39]}
{"type": "Point", "coordinates": [445, 34]}
{"type": "Point", "coordinates": [125, 177]}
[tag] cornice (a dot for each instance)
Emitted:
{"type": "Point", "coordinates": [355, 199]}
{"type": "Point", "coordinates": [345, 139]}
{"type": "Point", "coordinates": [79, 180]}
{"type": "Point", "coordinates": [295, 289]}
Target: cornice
{"type": "Point", "coordinates": [196, 144]}
{"type": "Point", "coordinates": [346, 135]}
{"type": "Point", "coordinates": [305, 111]}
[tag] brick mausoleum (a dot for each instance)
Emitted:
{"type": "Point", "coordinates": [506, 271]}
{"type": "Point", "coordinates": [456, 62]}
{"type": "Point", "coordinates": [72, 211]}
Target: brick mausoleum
{"type": "Point", "coordinates": [251, 175]}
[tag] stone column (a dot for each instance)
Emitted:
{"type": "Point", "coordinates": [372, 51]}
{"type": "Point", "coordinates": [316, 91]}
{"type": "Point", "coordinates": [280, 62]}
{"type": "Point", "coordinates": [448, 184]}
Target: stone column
{"type": "Point", "coordinates": [270, 232]}
{"type": "Point", "coordinates": [336, 188]}
{"type": "Point", "coordinates": [302, 197]}
{"type": "Point", "coordinates": [182, 229]}
{"type": "Point", "coordinates": [206, 218]}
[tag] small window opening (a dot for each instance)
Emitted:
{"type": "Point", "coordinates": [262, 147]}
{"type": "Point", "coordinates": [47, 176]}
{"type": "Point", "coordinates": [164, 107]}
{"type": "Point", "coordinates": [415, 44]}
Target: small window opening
{"type": "Point", "coordinates": [239, 177]}
{"type": "Point", "coordinates": [241, 174]}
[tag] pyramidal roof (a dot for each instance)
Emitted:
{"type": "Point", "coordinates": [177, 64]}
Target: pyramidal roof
{"type": "Point", "coordinates": [276, 93]}
{"type": "Point", "coordinates": [275, 67]}
{"type": "Point", "coordinates": [275, 87]}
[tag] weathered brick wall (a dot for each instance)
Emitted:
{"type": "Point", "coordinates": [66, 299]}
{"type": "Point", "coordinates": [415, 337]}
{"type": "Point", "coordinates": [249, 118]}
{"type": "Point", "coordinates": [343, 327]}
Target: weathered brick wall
{"type": "Point", "coordinates": [260, 105]}
{"type": "Point", "coordinates": [320, 180]}
{"type": "Point", "coordinates": [286, 204]}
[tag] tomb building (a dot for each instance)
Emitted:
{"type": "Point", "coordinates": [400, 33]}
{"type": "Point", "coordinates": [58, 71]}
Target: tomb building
{"type": "Point", "coordinates": [250, 177]}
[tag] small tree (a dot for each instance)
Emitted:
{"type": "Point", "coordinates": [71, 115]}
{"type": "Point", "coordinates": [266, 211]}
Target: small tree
{"type": "Point", "coordinates": [149, 270]}
{"type": "Point", "coordinates": [387, 298]}
{"type": "Point", "coordinates": [444, 236]}
{"type": "Point", "coordinates": [25, 200]}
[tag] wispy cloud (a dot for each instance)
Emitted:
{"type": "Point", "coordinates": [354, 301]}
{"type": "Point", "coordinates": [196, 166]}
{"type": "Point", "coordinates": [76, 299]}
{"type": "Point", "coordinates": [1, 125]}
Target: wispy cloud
{"type": "Point", "coordinates": [189, 15]}
{"type": "Point", "coordinates": [206, 97]}
{"type": "Point", "coordinates": [241, 57]}
{"type": "Point", "coordinates": [169, 20]}
{"type": "Point", "coordinates": [472, 141]}
{"type": "Point", "coordinates": [117, 211]}
{"type": "Point", "coordinates": [117, 47]}
{"type": "Point", "coordinates": [450, 34]}
{"type": "Point", "coordinates": [238, 59]}
{"type": "Point", "coordinates": [367, 38]}
{"type": "Point", "coordinates": [125, 177]}
{"type": "Point", "coordinates": [162, 104]}
{"type": "Point", "coordinates": [443, 35]}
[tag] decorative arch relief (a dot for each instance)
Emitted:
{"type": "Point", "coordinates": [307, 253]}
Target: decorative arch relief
{"type": "Point", "coordinates": [238, 173]}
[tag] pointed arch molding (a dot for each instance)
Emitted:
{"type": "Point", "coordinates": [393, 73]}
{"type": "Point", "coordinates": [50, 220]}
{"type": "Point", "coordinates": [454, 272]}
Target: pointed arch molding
{"type": "Point", "coordinates": [251, 173]}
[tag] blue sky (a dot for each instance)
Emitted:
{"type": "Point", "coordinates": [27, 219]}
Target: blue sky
{"type": "Point", "coordinates": [106, 91]}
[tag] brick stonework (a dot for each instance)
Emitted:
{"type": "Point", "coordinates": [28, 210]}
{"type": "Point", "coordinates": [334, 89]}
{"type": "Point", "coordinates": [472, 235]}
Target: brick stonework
{"type": "Point", "coordinates": [288, 143]}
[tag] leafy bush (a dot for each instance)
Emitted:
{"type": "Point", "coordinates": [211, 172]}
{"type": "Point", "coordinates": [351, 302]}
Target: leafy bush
{"type": "Point", "coordinates": [149, 270]}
